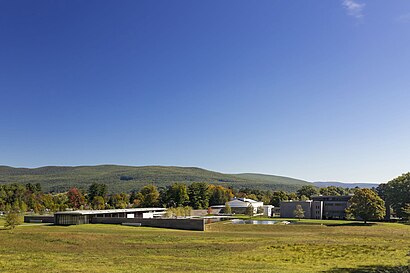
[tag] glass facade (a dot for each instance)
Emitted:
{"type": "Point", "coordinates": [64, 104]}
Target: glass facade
{"type": "Point", "coordinates": [69, 219]}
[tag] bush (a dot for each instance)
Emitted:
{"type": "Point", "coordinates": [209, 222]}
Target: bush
{"type": "Point", "coordinates": [12, 220]}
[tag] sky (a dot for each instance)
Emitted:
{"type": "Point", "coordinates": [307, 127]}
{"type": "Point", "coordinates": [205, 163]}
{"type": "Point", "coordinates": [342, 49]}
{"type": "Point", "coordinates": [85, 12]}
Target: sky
{"type": "Point", "coordinates": [316, 90]}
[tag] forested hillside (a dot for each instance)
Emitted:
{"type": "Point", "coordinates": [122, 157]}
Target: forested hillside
{"type": "Point", "coordinates": [128, 178]}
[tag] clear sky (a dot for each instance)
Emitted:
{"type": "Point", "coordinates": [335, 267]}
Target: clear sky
{"type": "Point", "coordinates": [317, 90]}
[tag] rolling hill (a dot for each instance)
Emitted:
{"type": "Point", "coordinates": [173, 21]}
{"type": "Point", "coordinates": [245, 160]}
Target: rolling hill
{"type": "Point", "coordinates": [345, 185]}
{"type": "Point", "coordinates": [128, 178]}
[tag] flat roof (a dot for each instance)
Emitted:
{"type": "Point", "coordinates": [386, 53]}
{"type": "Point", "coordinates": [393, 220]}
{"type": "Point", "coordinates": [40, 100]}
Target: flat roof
{"type": "Point", "coordinates": [296, 201]}
{"type": "Point", "coordinates": [348, 195]}
{"type": "Point", "coordinates": [106, 211]}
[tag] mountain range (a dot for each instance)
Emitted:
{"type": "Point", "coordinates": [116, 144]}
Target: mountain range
{"type": "Point", "coordinates": [127, 178]}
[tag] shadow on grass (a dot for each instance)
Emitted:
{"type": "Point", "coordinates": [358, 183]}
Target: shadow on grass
{"type": "Point", "coordinates": [372, 269]}
{"type": "Point", "coordinates": [352, 224]}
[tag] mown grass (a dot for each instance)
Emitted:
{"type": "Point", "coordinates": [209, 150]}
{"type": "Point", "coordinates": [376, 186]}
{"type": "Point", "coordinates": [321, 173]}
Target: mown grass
{"type": "Point", "coordinates": [224, 247]}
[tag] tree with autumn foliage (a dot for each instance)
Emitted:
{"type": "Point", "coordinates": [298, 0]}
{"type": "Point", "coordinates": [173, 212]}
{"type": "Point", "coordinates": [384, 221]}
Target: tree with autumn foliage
{"type": "Point", "coordinates": [75, 198]}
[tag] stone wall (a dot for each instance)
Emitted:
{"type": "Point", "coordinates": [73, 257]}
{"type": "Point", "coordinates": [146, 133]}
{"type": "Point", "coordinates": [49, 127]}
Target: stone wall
{"type": "Point", "coordinates": [187, 224]}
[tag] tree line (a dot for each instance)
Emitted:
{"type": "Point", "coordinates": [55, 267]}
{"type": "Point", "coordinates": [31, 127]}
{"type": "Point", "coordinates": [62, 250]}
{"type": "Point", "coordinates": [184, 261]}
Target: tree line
{"type": "Point", "coordinates": [198, 195]}
{"type": "Point", "coordinates": [396, 194]}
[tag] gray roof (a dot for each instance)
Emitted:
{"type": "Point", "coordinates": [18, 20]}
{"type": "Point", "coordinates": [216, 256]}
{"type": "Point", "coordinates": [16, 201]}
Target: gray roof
{"type": "Point", "coordinates": [106, 211]}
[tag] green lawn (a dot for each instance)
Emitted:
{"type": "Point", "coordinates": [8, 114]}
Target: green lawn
{"type": "Point", "coordinates": [225, 247]}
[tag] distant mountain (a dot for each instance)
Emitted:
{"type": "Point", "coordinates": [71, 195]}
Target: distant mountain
{"type": "Point", "coordinates": [272, 179]}
{"type": "Point", "coordinates": [128, 178]}
{"type": "Point", "coordinates": [345, 185]}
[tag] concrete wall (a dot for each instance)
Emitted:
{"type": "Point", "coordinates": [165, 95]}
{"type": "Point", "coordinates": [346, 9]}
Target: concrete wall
{"type": "Point", "coordinates": [38, 219]}
{"type": "Point", "coordinates": [287, 208]}
{"type": "Point", "coordinates": [187, 224]}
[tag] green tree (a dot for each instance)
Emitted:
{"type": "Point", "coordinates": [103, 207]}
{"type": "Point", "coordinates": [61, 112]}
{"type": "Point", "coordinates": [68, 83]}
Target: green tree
{"type": "Point", "coordinates": [12, 220]}
{"type": "Point", "coordinates": [228, 209]}
{"type": "Point", "coordinates": [307, 191]}
{"type": "Point", "coordinates": [249, 210]}
{"type": "Point", "coordinates": [187, 211]}
{"type": "Point", "coordinates": [118, 201]}
{"type": "Point", "coordinates": [199, 194]}
{"type": "Point", "coordinates": [397, 193]}
{"type": "Point", "coordinates": [332, 190]}
{"type": "Point", "coordinates": [98, 202]}
{"type": "Point", "coordinates": [366, 205]}
{"type": "Point", "coordinates": [299, 212]}
{"type": "Point", "coordinates": [303, 198]}
{"type": "Point", "coordinates": [177, 195]}
{"type": "Point", "coordinates": [277, 197]}
{"type": "Point", "coordinates": [219, 195]}
{"type": "Point", "coordinates": [148, 197]}
{"type": "Point", "coordinates": [170, 213]}
{"type": "Point", "coordinates": [406, 212]}
{"type": "Point", "coordinates": [292, 196]}
{"type": "Point", "coordinates": [96, 189]}
{"type": "Point", "coordinates": [133, 196]}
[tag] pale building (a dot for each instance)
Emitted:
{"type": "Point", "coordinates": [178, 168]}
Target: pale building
{"type": "Point", "coordinates": [239, 205]}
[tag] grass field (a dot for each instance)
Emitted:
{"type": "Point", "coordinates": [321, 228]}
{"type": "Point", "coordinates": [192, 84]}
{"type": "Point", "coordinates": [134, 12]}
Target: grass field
{"type": "Point", "coordinates": [225, 247]}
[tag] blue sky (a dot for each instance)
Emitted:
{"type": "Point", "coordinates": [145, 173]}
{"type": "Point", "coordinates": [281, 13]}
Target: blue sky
{"type": "Point", "coordinates": [317, 90]}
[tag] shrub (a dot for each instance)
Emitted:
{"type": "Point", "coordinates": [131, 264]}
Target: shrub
{"type": "Point", "coordinates": [12, 220]}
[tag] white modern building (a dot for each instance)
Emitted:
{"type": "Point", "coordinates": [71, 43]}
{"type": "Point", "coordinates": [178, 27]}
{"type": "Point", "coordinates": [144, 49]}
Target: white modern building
{"type": "Point", "coordinates": [268, 210]}
{"type": "Point", "coordinates": [239, 205]}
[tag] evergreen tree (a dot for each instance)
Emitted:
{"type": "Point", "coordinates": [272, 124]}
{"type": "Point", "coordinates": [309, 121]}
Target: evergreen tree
{"type": "Point", "coordinates": [199, 194]}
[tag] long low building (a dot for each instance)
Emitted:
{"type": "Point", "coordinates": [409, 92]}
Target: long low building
{"type": "Point", "coordinates": [78, 217]}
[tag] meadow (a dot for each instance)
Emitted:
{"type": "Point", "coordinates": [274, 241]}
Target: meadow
{"type": "Point", "coordinates": [225, 247]}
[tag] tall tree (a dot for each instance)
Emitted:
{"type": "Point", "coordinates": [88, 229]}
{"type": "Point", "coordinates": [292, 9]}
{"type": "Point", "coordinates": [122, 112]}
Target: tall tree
{"type": "Point", "coordinates": [96, 189]}
{"type": "Point", "coordinates": [307, 191]}
{"type": "Point", "coordinates": [219, 195]}
{"type": "Point", "coordinates": [118, 201]}
{"type": "Point", "coordinates": [397, 193]}
{"type": "Point", "coordinates": [133, 196]}
{"type": "Point", "coordinates": [299, 212]}
{"type": "Point", "coordinates": [177, 195]}
{"type": "Point", "coordinates": [332, 190]}
{"type": "Point", "coordinates": [148, 197]}
{"type": "Point", "coordinates": [98, 202]}
{"type": "Point", "coordinates": [250, 211]}
{"type": "Point", "coordinates": [12, 220]}
{"type": "Point", "coordinates": [406, 212]}
{"type": "Point", "coordinates": [228, 209]}
{"type": "Point", "coordinates": [278, 196]}
{"type": "Point", "coordinates": [199, 194]}
{"type": "Point", "coordinates": [366, 205]}
{"type": "Point", "coordinates": [75, 198]}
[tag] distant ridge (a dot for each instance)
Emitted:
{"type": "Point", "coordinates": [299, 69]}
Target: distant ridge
{"type": "Point", "coordinates": [345, 185]}
{"type": "Point", "coordinates": [269, 178]}
{"type": "Point", "coordinates": [128, 178]}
